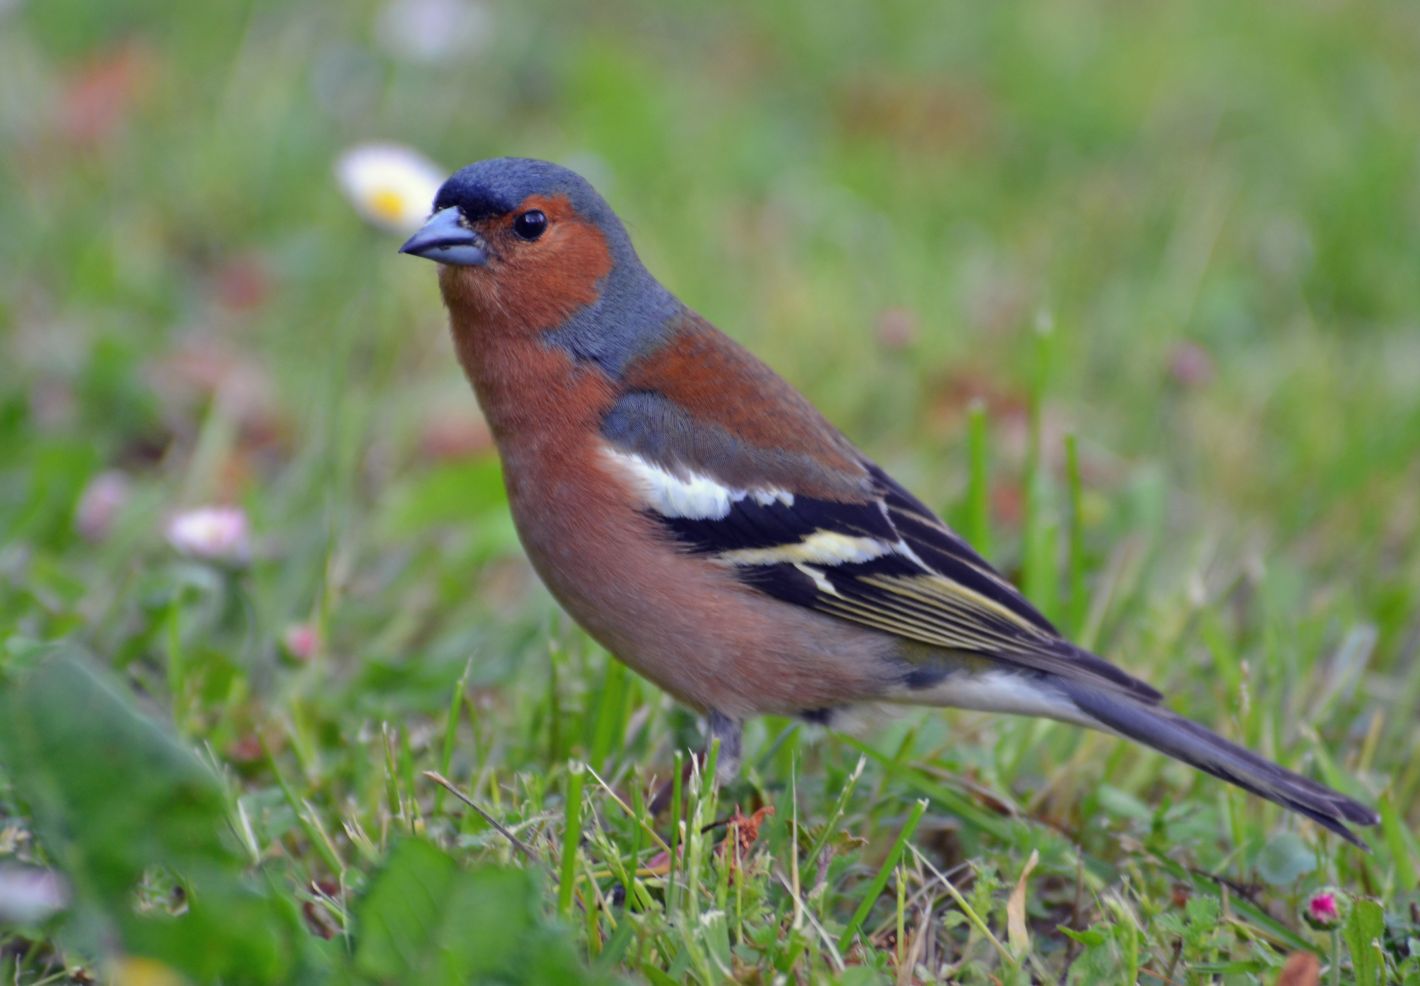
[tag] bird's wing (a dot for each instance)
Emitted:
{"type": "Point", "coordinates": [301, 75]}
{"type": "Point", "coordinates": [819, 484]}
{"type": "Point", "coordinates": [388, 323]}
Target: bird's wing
{"type": "Point", "coordinates": [858, 547]}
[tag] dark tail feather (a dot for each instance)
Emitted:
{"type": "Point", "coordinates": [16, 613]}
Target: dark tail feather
{"type": "Point", "coordinates": [1184, 740]}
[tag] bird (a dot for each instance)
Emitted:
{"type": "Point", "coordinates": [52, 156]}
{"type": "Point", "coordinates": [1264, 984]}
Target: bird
{"type": "Point", "coordinates": [704, 522]}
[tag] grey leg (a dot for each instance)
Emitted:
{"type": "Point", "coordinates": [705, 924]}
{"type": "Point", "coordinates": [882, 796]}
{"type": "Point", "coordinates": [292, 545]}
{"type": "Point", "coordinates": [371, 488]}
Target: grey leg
{"type": "Point", "coordinates": [727, 767]}
{"type": "Point", "coordinates": [729, 732]}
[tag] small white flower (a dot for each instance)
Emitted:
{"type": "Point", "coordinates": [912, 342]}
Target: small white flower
{"type": "Point", "coordinates": [29, 895]}
{"type": "Point", "coordinates": [391, 186]}
{"type": "Point", "coordinates": [434, 31]}
{"type": "Point", "coordinates": [211, 533]}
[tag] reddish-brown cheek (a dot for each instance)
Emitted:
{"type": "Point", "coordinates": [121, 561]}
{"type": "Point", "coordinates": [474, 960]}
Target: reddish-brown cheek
{"type": "Point", "coordinates": [548, 282]}
{"type": "Point", "coordinates": [535, 286]}
{"type": "Point", "coordinates": [532, 288]}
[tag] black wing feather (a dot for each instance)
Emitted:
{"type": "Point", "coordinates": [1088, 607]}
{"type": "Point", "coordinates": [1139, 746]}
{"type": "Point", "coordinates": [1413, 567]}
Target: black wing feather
{"type": "Point", "coordinates": [926, 583]}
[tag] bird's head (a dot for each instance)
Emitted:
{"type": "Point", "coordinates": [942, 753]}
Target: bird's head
{"type": "Point", "coordinates": [531, 246]}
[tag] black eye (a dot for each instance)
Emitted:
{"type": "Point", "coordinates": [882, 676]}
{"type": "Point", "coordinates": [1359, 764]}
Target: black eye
{"type": "Point", "coordinates": [530, 224]}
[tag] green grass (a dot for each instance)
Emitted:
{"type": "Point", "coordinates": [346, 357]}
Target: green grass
{"type": "Point", "coordinates": [1128, 292]}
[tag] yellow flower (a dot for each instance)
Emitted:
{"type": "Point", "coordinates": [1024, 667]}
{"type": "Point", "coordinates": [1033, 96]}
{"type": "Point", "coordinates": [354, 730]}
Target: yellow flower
{"type": "Point", "coordinates": [135, 970]}
{"type": "Point", "coordinates": [390, 185]}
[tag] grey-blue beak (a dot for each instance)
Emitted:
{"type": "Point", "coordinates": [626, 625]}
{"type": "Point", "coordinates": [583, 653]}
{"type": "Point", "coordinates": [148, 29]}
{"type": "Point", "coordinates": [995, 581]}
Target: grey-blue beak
{"type": "Point", "coordinates": [446, 240]}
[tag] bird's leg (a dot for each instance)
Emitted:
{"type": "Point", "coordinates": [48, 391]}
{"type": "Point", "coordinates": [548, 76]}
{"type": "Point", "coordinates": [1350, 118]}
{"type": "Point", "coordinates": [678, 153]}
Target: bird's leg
{"type": "Point", "coordinates": [718, 726]}
{"type": "Point", "coordinates": [729, 732]}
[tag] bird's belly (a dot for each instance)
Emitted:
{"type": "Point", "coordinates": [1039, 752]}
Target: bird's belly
{"type": "Point", "coordinates": [681, 621]}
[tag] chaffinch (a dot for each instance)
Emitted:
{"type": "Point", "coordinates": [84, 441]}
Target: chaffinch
{"type": "Point", "coordinates": [705, 523]}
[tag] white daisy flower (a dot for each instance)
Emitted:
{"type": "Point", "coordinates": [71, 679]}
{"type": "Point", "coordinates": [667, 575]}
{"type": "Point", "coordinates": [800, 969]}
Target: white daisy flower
{"type": "Point", "coordinates": [390, 185]}
{"type": "Point", "coordinates": [211, 533]}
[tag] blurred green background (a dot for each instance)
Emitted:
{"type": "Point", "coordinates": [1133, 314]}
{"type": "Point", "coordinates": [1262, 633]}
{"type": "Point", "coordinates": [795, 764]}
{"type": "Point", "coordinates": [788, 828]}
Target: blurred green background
{"type": "Point", "coordinates": [1186, 234]}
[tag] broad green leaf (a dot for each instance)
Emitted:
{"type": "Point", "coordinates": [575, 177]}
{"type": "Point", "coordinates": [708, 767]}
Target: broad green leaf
{"type": "Point", "coordinates": [114, 797]}
{"type": "Point", "coordinates": [1364, 934]}
{"type": "Point", "coordinates": [426, 919]}
{"type": "Point", "coordinates": [110, 791]}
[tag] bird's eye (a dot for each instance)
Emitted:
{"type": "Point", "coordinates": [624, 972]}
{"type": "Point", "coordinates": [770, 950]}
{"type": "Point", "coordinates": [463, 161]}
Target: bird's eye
{"type": "Point", "coordinates": [530, 224]}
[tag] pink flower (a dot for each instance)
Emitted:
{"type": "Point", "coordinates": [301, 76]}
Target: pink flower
{"type": "Point", "coordinates": [301, 641]}
{"type": "Point", "coordinates": [29, 896]}
{"type": "Point", "coordinates": [100, 504]}
{"type": "Point", "coordinates": [211, 533]}
{"type": "Point", "coordinates": [897, 329]}
{"type": "Point", "coordinates": [1190, 365]}
{"type": "Point", "coordinates": [1323, 910]}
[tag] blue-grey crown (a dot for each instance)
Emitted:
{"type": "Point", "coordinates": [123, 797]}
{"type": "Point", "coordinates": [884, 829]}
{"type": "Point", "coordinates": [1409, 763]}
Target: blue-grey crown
{"type": "Point", "coordinates": [497, 186]}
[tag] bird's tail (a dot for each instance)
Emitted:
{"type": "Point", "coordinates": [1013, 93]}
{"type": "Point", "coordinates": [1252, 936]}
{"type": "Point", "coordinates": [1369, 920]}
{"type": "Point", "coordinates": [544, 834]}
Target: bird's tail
{"type": "Point", "coordinates": [1172, 734]}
